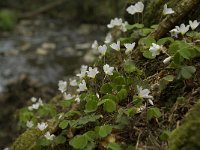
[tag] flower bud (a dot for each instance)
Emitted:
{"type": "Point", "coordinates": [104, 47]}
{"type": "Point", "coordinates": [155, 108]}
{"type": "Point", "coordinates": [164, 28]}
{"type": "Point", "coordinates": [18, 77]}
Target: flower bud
{"type": "Point", "coordinates": [167, 60]}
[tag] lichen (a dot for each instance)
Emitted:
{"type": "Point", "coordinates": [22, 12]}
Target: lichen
{"type": "Point", "coordinates": [186, 137]}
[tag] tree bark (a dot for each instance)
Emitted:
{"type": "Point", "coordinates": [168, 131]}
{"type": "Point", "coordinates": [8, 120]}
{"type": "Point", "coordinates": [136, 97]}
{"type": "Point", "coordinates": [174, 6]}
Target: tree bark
{"type": "Point", "coordinates": [170, 21]}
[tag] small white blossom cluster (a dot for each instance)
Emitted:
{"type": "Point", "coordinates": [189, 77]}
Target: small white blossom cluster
{"type": "Point", "coordinates": [29, 124]}
{"type": "Point", "coordinates": [144, 93]}
{"type": "Point", "coordinates": [155, 49]}
{"type": "Point", "coordinates": [118, 23]}
{"type": "Point", "coordinates": [49, 136]}
{"type": "Point", "coordinates": [137, 8]}
{"type": "Point", "coordinates": [62, 86]}
{"type": "Point", "coordinates": [42, 126]}
{"type": "Point", "coordinates": [183, 29]}
{"type": "Point", "coordinates": [36, 103]}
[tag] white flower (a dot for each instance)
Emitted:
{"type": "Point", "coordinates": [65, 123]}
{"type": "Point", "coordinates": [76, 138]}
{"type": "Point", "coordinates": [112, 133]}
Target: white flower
{"type": "Point", "coordinates": [29, 124]}
{"type": "Point", "coordinates": [35, 106]}
{"type": "Point", "coordinates": [102, 49]}
{"type": "Point", "coordinates": [77, 99]}
{"type": "Point", "coordinates": [83, 71]}
{"type": "Point", "coordinates": [42, 126]}
{"type": "Point", "coordinates": [167, 60]}
{"type": "Point", "coordinates": [94, 45]}
{"type": "Point", "coordinates": [33, 99]}
{"type": "Point", "coordinates": [129, 47]}
{"type": "Point", "coordinates": [193, 24]}
{"type": "Point", "coordinates": [167, 11]}
{"type": "Point", "coordinates": [155, 49]}
{"type": "Point", "coordinates": [115, 46]}
{"type": "Point", "coordinates": [139, 7]}
{"type": "Point", "coordinates": [40, 102]}
{"type": "Point", "coordinates": [67, 96]}
{"type": "Point", "coordinates": [123, 26]}
{"type": "Point", "coordinates": [108, 38]}
{"type": "Point", "coordinates": [73, 82]}
{"type": "Point", "coordinates": [131, 9]}
{"type": "Point", "coordinates": [143, 93]}
{"type": "Point", "coordinates": [62, 86]}
{"type": "Point", "coordinates": [182, 29]}
{"type": "Point", "coordinates": [82, 86]}
{"type": "Point", "coordinates": [108, 70]}
{"type": "Point", "coordinates": [6, 148]}
{"type": "Point", "coordinates": [115, 22]}
{"type": "Point", "coordinates": [49, 136]}
{"type": "Point", "coordinates": [92, 72]}
{"type": "Point", "coordinates": [174, 33]}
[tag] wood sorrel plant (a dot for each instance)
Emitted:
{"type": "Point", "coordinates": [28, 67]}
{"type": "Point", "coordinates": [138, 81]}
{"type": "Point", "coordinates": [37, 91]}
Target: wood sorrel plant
{"type": "Point", "coordinates": [109, 105]}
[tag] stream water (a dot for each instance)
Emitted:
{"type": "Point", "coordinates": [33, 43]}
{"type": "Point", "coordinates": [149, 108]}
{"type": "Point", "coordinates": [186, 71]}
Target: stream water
{"type": "Point", "coordinates": [45, 51]}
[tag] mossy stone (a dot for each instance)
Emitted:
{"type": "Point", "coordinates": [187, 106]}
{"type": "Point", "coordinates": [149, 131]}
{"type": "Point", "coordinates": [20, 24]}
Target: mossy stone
{"type": "Point", "coordinates": [187, 136]}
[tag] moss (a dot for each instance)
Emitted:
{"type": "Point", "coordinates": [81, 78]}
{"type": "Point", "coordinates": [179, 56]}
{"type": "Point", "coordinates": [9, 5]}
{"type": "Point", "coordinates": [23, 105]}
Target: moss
{"type": "Point", "coordinates": [26, 140]}
{"type": "Point", "coordinates": [7, 20]}
{"type": "Point", "coordinates": [186, 137]}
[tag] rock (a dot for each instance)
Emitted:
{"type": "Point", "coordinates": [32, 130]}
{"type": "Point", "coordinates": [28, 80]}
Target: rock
{"type": "Point", "coordinates": [48, 46]}
{"type": "Point", "coordinates": [41, 51]}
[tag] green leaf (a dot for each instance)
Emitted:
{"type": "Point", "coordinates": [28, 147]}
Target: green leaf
{"type": "Point", "coordinates": [25, 115]}
{"type": "Point", "coordinates": [137, 101]}
{"type": "Point", "coordinates": [120, 80]}
{"type": "Point", "coordinates": [113, 146]}
{"type": "Point", "coordinates": [109, 105]}
{"type": "Point", "coordinates": [129, 67]}
{"type": "Point", "coordinates": [63, 124]}
{"type": "Point", "coordinates": [79, 142]}
{"type": "Point", "coordinates": [44, 142]}
{"type": "Point", "coordinates": [173, 48]}
{"type": "Point", "coordinates": [185, 53]}
{"type": "Point", "coordinates": [197, 48]}
{"type": "Point", "coordinates": [187, 71]}
{"type": "Point", "coordinates": [147, 41]}
{"type": "Point", "coordinates": [126, 40]}
{"type": "Point", "coordinates": [148, 54]}
{"type": "Point", "coordinates": [110, 96]}
{"type": "Point", "coordinates": [178, 59]}
{"type": "Point", "coordinates": [146, 31]}
{"type": "Point", "coordinates": [165, 81]}
{"type": "Point", "coordinates": [122, 94]}
{"type": "Point", "coordinates": [91, 135]}
{"type": "Point", "coordinates": [169, 78]}
{"type": "Point", "coordinates": [60, 139]}
{"type": "Point", "coordinates": [153, 112]}
{"type": "Point", "coordinates": [106, 88]}
{"type": "Point", "coordinates": [165, 135]}
{"type": "Point", "coordinates": [47, 109]}
{"type": "Point", "coordinates": [91, 104]}
{"type": "Point", "coordinates": [104, 130]}
{"type": "Point", "coordinates": [163, 41]}
{"type": "Point", "coordinates": [89, 118]}
{"type": "Point", "coordinates": [137, 26]}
